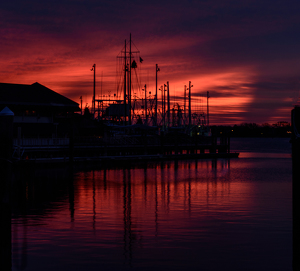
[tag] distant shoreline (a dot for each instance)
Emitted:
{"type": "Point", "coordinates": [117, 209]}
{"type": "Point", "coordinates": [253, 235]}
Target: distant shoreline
{"type": "Point", "coordinates": [254, 130]}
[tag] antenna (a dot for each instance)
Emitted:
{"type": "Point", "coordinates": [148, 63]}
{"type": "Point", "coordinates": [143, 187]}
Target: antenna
{"type": "Point", "coordinates": [157, 70]}
{"type": "Point", "coordinates": [94, 90]}
{"type": "Point", "coordinates": [190, 105]}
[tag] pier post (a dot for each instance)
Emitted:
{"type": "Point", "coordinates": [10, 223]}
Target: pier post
{"type": "Point", "coordinates": [196, 145]}
{"type": "Point", "coordinates": [145, 142]}
{"type": "Point", "coordinates": [6, 134]}
{"type": "Point", "coordinates": [213, 144]}
{"type": "Point", "coordinates": [228, 144]}
{"type": "Point", "coordinates": [71, 140]}
{"type": "Point", "coordinates": [162, 142]}
{"type": "Point", "coordinates": [296, 185]}
{"type": "Point", "coordinates": [176, 144]}
{"type": "Point", "coordinates": [6, 150]}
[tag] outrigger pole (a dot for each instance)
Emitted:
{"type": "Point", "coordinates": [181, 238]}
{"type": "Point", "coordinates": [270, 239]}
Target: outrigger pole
{"type": "Point", "coordinates": [157, 70]}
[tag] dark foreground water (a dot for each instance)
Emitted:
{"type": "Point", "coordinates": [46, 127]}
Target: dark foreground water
{"type": "Point", "coordinates": [192, 215]}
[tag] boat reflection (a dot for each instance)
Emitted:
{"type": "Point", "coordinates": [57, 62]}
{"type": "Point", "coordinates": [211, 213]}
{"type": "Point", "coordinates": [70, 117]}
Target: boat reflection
{"type": "Point", "coordinates": [142, 198]}
{"type": "Point", "coordinates": [151, 212]}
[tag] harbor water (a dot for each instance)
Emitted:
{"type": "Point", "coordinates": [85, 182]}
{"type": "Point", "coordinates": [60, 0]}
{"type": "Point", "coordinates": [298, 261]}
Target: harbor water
{"type": "Point", "coordinates": [212, 214]}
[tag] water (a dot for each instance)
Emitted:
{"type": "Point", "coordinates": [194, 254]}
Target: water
{"type": "Point", "coordinates": [192, 215]}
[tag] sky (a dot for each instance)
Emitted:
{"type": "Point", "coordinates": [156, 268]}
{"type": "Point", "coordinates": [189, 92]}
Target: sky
{"type": "Point", "coordinates": [245, 53]}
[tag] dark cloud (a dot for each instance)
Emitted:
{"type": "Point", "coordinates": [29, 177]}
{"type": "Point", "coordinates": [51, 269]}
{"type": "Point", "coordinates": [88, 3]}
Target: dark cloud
{"type": "Point", "coordinates": [189, 39]}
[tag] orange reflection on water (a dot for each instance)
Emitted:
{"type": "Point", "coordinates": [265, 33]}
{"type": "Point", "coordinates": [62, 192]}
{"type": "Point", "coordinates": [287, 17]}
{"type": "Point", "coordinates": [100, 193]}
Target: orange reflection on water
{"type": "Point", "coordinates": [146, 197]}
{"type": "Point", "coordinates": [167, 211]}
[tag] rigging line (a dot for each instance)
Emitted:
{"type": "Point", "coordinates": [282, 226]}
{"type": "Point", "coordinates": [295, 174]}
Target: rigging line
{"type": "Point", "coordinates": [101, 81]}
{"type": "Point", "coordinates": [139, 85]}
{"type": "Point", "coordinates": [135, 46]}
{"type": "Point", "coordinates": [117, 73]}
{"type": "Point", "coordinates": [122, 50]}
{"type": "Point", "coordinates": [140, 75]}
{"type": "Point", "coordinates": [174, 96]}
{"type": "Point", "coordinates": [140, 72]}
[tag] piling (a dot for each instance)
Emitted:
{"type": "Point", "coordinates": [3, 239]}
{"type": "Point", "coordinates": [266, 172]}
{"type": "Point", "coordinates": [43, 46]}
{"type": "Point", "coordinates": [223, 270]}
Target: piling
{"type": "Point", "coordinates": [6, 134]}
{"type": "Point", "coordinates": [296, 185]}
{"type": "Point", "coordinates": [6, 151]}
{"type": "Point", "coordinates": [71, 140]}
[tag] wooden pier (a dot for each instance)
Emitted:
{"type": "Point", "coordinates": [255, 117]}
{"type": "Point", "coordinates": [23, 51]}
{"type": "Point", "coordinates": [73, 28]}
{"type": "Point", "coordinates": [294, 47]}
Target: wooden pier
{"type": "Point", "coordinates": [124, 148]}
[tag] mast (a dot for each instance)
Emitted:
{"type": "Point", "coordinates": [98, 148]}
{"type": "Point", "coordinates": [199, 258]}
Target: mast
{"type": "Point", "coordinates": [128, 95]}
{"type": "Point", "coordinates": [146, 105]}
{"type": "Point", "coordinates": [190, 107]}
{"type": "Point", "coordinates": [168, 97]}
{"type": "Point", "coordinates": [129, 102]}
{"type": "Point", "coordinates": [157, 70]}
{"type": "Point", "coordinates": [125, 113]}
{"type": "Point", "coordinates": [207, 109]}
{"type": "Point", "coordinates": [94, 90]}
{"type": "Point", "coordinates": [99, 105]}
{"type": "Point", "coordinates": [184, 104]}
{"type": "Point", "coordinates": [162, 104]}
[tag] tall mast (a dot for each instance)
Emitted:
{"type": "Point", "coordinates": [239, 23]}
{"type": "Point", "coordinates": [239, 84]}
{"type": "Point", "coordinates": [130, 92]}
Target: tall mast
{"type": "Point", "coordinates": [157, 70]}
{"type": "Point", "coordinates": [164, 105]}
{"type": "Point", "coordinates": [128, 95]}
{"type": "Point", "coordinates": [184, 104]}
{"type": "Point", "coordinates": [190, 107]}
{"type": "Point", "coordinates": [168, 93]}
{"type": "Point", "coordinates": [125, 113]}
{"type": "Point", "coordinates": [146, 105]}
{"type": "Point", "coordinates": [94, 90]}
{"type": "Point", "coordinates": [207, 109]}
{"type": "Point", "coordinates": [99, 104]}
{"type": "Point", "coordinates": [130, 82]}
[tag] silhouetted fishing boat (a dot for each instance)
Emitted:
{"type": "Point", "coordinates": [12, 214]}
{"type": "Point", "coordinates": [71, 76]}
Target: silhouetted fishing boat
{"type": "Point", "coordinates": [133, 124]}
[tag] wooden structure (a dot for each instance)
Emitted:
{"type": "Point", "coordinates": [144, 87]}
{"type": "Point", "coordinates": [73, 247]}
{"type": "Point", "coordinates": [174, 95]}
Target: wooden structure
{"type": "Point", "coordinates": [39, 112]}
{"type": "Point", "coordinates": [132, 147]}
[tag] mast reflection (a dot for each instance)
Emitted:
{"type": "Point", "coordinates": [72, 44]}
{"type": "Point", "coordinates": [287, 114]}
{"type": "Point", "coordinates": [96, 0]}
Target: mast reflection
{"type": "Point", "coordinates": [127, 216]}
{"type": "Point", "coordinates": [71, 194]}
{"type": "Point", "coordinates": [20, 248]}
{"type": "Point", "coordinates": [145, 184]}
{"type": "Point", "coordinates": [136, 204]}
{"type": "Point", "coordinates": [156, 203]}
{"type": "Point", "coordinates": [94, 201]}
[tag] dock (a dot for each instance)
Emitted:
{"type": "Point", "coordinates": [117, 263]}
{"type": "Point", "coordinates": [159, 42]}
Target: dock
{"type": "Point", "coordinates": [126, 148]}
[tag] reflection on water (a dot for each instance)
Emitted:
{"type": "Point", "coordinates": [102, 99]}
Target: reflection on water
{"type": "Point", "coordinates": [193, 215]}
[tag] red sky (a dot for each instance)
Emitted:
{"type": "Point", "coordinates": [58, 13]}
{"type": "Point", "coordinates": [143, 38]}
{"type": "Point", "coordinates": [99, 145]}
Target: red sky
{"type": "Point", "coordinates": [244, 53]}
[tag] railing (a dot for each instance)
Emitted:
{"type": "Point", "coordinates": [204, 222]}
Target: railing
{"type": "Point", "coordinates": [135, 146]}
{"type": "Point", "coordinates": [41, 142]}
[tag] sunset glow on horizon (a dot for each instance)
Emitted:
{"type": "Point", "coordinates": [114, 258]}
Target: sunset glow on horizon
{"type": "Point", "coordinates": [245, 55]}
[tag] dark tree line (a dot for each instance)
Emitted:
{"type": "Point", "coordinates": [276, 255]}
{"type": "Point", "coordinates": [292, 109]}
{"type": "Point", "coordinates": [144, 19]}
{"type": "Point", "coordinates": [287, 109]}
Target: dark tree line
{"type": "Point", "coordinates": [279, 129]}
